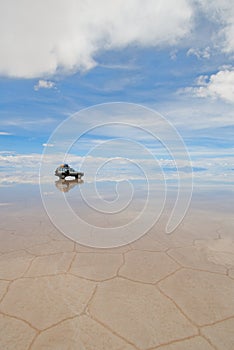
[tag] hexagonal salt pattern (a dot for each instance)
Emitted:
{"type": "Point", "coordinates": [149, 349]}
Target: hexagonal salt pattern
{"type": "Point", "coordinates": [203, 296]}
{"type": "Point", "coordinates": [96, 266]}
{"type": "Point", "coordinates": [13, 265]}
{"type": "Point", "coordinates": [3, 288]}
{"type": "Point", "coordinates": [221, 335]}
{"type": "Point", "coordinates": [139, 313]}
{"type": "Point", "coordinates": [15, 334]}
{"type": "Point", "coordinates": [44, 301]}
{"type": "Point", "coordinates": [79, 333]}
{"type": "Point", "coordinates": [171, 292]}
{"type": "Point", "coordinates": [194, 343]}
{"type": "Point", "coordinates": [196, 257]}
{"type": "Point", "coordinates": [148, 267]}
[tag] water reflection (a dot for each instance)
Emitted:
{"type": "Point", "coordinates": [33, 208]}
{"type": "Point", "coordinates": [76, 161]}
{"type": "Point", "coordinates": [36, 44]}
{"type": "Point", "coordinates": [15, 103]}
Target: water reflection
{"type": "Point", "coordinates": [67, 185]}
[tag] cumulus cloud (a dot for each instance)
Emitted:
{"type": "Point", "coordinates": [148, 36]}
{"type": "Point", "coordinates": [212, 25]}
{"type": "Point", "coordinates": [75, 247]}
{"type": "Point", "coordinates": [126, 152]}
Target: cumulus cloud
{"type": "Point", "coordinates": [219, 85]}
{"type": "Point", "coordinates": [42, 38]}
{"type": "Point", "coordinates": [44, 84]}
{"type": "Point", "coordinates": [38, 38]}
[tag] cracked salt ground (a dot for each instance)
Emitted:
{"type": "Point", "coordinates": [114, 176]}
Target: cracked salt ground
{"type": "Point", "coordinates": [170, 292]}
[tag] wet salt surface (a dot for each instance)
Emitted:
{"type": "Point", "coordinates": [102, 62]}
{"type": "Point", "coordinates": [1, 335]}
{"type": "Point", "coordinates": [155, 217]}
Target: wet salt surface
{"type": "Point", "coordinates": [159, 292]}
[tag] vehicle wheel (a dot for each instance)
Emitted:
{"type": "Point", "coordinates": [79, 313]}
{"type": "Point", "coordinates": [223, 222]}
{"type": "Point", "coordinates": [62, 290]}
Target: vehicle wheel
{"type": "Point", "coordinates": [62, 177]}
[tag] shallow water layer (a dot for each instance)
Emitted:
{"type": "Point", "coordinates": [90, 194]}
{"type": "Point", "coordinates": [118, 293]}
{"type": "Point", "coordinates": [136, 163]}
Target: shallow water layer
{"type": "Point", "coordinates": [161, 291]}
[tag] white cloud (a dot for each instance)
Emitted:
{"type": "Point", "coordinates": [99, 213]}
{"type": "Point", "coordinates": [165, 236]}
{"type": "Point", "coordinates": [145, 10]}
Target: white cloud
{"type": "Point", "coordinates": [27, 124]}
{"type": "Point", "coordinates": [219, 85]}
{"type": "Point", "coordinates": [215, 166]}
{"type": "Point", "coordinates": [38, 38]}
{"type": "Point", "coordinates": [47, 145]}
{"type": "Point", "coordinates": [44, 84]}
{"type": "Point", "coordinates": [200, 53]}
{"type": "Point", "coordinates": [4, 133]}
{"type": "Point", "coordinates": [221, 12]}
{"type": "Point", "coordinates": [6, 152]}
{"type": "Point", "coordinates": [173, 54]}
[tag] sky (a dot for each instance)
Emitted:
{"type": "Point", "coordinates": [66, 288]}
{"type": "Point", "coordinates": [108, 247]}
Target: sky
{"type": "Point", "coordinates": [59, 57]}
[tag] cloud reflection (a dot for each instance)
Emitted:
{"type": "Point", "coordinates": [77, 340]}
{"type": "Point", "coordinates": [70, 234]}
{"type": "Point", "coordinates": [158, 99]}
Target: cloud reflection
{"type": "Point", "coordinates": [67, 185]}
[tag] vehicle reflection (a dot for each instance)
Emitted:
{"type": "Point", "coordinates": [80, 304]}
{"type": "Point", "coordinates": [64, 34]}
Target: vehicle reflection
{"type": "Point", "coordinates": [67, 185]}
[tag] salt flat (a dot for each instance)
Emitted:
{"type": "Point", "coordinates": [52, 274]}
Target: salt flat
{"type": "Point", "coordinates": [160, 292]}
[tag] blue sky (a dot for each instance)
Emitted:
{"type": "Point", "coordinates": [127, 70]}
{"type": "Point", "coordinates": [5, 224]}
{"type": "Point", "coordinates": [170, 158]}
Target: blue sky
{"type": "Point", "coordinates": [178, 62]}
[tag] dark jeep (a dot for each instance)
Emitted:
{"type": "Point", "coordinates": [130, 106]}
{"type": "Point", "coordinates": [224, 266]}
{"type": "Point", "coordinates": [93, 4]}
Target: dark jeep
{"type": "Point", "coordinates": [64, 170]}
